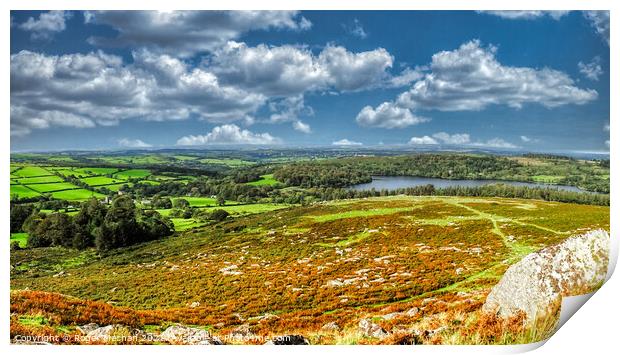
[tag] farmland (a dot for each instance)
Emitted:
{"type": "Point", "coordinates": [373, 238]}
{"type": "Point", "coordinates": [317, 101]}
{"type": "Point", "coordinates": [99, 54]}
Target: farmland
{"type": "Point", "coordinates": [335, 261]}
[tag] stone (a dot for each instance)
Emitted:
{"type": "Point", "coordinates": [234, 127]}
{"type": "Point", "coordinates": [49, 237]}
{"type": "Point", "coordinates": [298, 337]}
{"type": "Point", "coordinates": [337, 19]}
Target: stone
{"type": "Point", "coordinates": [412, 312]}
{"type": "Point", "coordinates": [331, 326]}
{"type": "Point", "coordinates": [535, 285]}
{"type": "Point", "coordinates": [178, 334]}
{"type": "Point", "coordinates": [105, 334]}
{"type": "Point", "coordinates": [370, 329]}
{"type": "Point", "coordinates": [243, 331]}
{"type": "Point", "coordinates": [87, 328]}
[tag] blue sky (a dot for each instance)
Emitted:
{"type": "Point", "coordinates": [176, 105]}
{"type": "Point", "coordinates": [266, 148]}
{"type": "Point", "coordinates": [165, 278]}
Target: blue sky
{"type": "Point", "coordinates": [536, 81]}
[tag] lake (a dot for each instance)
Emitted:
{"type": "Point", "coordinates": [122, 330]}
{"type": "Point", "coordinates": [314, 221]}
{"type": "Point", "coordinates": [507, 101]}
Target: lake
{"type": "Point", "coordinates": [396, 182]}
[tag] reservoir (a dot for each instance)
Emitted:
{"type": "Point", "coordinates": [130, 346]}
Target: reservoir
{"type": "Point", "coordinates": [396, 182]}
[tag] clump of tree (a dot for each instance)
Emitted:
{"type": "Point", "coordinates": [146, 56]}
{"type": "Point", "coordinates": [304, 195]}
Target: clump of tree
{"type": "Point", "coordinates": [97, 225]}
{"type": "Point", "coordinates": [19, 214]}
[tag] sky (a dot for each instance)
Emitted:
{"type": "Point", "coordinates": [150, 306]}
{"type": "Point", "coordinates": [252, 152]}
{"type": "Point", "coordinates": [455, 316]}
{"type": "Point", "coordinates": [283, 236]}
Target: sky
{"type": "Point", "coordinates": [522, 80]}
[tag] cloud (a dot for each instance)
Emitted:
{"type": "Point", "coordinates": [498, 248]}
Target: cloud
{"type": "Point", "coordinates": [423, 140]}
{"type": "Point", "coordinates": [462, 139]}
{"type": "Point", "coordinates": [526, 139]}
{"type": "Point", "coordinates": [606, 128]}
{"type": "Point", "coordinates": [356, 29]}
{"type": "Point", "coordinates": [406, 77]}
{"type": "Point", "coordinates": [591, 70]}
{"type": "Point", "coordinates": [228, 134]}
{"type": "Point", "coordinates": [457, 138]}
{"type": "Point", "coordinates": [471, 79]}
{"type": "Point", "coordinates": [290, 70]}
{"type": "Point", "coordinates": [99, 89]}
{"type": "Point", "coordinates": [346, 142]}
{"type": "Point", "coordinates": [133, 143]}
{"type": "Point", "coordinates": [302, 127]}
{"type": "Point", "coordinates": [48, 23]}
{"type": "Point", "coordinates": [600, 21]}
{"type": "Point", "coordinates": [185, 33]}
{"type": "Point", "coordinates": [526, 14]}
{"type": "Point", "coordinates": [388, 115]}
{"type": "Point", "coordinates": [495, 143]}
{"type": "Point", "coordinates": [607, 143]}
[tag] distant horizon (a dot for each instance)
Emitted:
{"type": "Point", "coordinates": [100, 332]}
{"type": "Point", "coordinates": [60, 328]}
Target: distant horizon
{"type": "Point", "coordinates": [526, 80]}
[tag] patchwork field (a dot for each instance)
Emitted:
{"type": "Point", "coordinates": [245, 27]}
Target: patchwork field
{"type": "Point", "coordinates": [265, 180]}
{"type": "Point", "coordinates": [299, 268]}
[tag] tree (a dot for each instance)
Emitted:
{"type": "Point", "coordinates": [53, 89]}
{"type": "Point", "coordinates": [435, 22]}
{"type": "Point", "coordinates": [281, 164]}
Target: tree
{"type": "Point", "coordinates": [219, 215]}
{"type": "Point", "coordinates": [19, 213]}
{"type": "Point", "coordinates": [221, 201]}
{"type": "Point", "coordinates": [180, 203]}
{"type": "Point", "coordinates": [119, 227]}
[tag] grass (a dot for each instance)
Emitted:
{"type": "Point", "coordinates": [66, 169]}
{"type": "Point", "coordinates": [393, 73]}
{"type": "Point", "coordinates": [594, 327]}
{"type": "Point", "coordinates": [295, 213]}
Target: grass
{"type": "Point", "coordinates": [202, 201]}
{"type": "Point", "coordinates": [76, 195]}
{"type": "Point", "coordinates": [57, 186]}
{"type": "Point", "coordinates": [181, 224]}
{"type": "Point", "coordinates": [96, 171]}
{"type": "Point", "coordinates": [23, 192]}
{"type": "Point", "coordinates": [132, 174]}
{"type": "Point", "coordinates": [21, 238]}
{"type": "Point", "coordinates": [250, 208]}
{"type": "Point", "coordinates": [265, 180]}
{"type": "Point", "coordinates": [40, 179]}
{"type": "Point", "coordinates": [100, 180]}
{"type": "Point", "coordinates": [31, 171]}
{"type": "Point", "coordinates": [548, 179]}
{"type": "Point", "coordinates": [358, 213]}
{"type": "Point", "coordinates": [233, 163]}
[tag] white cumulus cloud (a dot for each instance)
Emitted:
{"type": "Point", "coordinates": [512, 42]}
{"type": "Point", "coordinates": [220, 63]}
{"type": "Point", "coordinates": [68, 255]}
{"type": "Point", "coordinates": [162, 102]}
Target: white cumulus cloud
{"type": "Point", "coordinates": [133, 143]}
{"type": "Point", "coordinates": [591, 70]}
{"type": "Point", "coordinates": [185, 33]}
{"type": "Point", "coordinates": [526, 14]}
{"type": "Point", "coordinates": [48, 23]}
{"type": "Point", "coordinates": [388, 115]}
{"type": "Point", "coordinates": [346, 142]}
{"type": "Point", "coordinates": [228, 134]}
{"type": "Point", "coordinates": [600, 21]}
{"type": "Point", "coordinates": [423, 140]}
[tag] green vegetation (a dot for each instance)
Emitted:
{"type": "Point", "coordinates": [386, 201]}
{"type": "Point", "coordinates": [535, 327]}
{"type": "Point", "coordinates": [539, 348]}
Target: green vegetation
{"type": "Point", "coordinates": [22, 191]}
{"type": "Point", "coordinates": [76, 195]}
{"type": "Point", "coordinates": [265, 180]}
{"type": "Point", "coordinates": [20, 238]}
{"type": "Point", "coordinates": [133, 173]}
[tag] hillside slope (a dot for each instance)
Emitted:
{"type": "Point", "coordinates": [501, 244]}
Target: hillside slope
{"type": "Point", "coordinates": [422, 261]}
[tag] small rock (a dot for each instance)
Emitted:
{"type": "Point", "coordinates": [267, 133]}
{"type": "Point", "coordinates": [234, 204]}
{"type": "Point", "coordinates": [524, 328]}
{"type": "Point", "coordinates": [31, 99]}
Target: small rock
{"type": "Point", "coordinates": [370, 329]}
{"type": "Point", "coordinates": [331, 326]}
{"type": "Point", "coordinates": [87, 328]}
{"type": "Point", "coordinates": [194, 304]}
{"type": "Point", "coordinates": [242, 331]}
{"type": "Point", "coordinates": [412, 312]}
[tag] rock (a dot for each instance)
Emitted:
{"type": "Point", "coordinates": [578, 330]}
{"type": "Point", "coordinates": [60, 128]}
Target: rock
{"type": "Point", "coordinates": [87, 328]}
{"type": "Point", "coordinates": [107, 333]}
{"type": "Point", "coordinates": [392, 315]}
{"type": "Point", "coordinates": [370, 329]}
{"type": "Point", "coordinates": [288, 340]}
{"type": "Point", "coordinates": [331, 326]}
{"type": "Point", "coordinates": [334, 283]}
{"type": "Point", "coordinates": [178, 334]}
{"type": "Point", "coordinates": [535, 285]}
{"type": "Point", "coordinates": [265, 317]}
{"type": "Point", "coordinates": [412, 312]}
{"type": "Point", "coordinates": [194, 304]}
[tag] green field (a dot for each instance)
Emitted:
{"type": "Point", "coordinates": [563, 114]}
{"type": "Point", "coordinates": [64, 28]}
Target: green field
{"type": "Point", "coordinates": [30, 171]}
{"type": "Point", "coordinates": [96, 171]}
{"type": "Point", "coordinates": [23, 191]}
{"type": "Point", "coordinates": [76, 195]}
{"type": "Point", "coordinates": [132, 174]}
{"type": "Point", "coordinates": [201, 201]}
{"type": "Point", "coordinates": [69, 172]}
{"type": "Point", "coordinates": [250, 208]}
{"type": "Point", "coordinates": [182, 224]}
{"type": "Point", "coordinates": [52, 187]}
{"type": "Point", "coordinates": [21, 238]}
{"type": "Point", "coordinates": [227, 162]}
{"type": "Point", "coordinates": [100, 180]}
{"type": "Point", "coordinates": [40, 179]}
{"type": "Point", "coordinates": [265, 180]}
